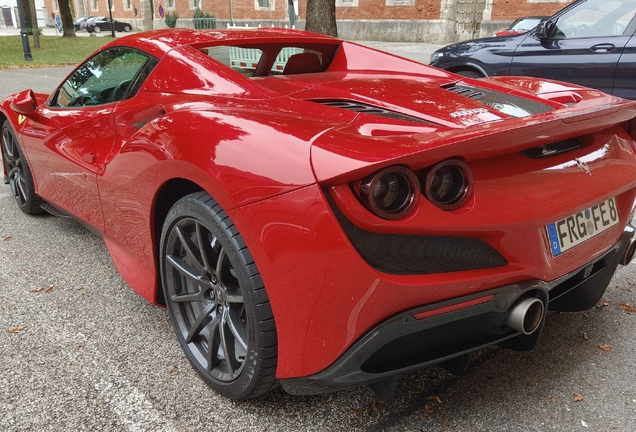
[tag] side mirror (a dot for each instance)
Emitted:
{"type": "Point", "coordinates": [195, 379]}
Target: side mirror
{"type": "Point", "coordinates": [543, 29]}
{"type": "Point", "coordinates": [24, 103]}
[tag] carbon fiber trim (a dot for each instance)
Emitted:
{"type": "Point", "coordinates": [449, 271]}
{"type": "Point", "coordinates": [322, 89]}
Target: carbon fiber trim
{"type": "Point", "coordinates": [412, 254]}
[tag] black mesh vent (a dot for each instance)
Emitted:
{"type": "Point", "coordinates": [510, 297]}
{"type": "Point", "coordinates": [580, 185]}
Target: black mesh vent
{"type": "Point", "coordinates": [412, 254]}
{"type": "Point", "coordinates": [514, 106]}
{"type": "Point", "coordinates": [369, 109]}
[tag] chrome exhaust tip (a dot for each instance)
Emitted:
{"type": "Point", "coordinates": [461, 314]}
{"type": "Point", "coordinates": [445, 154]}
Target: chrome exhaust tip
{"type": "Point", "coordinates": [525, 315]}
{"type": "Point", "coordinates": [629, 252]}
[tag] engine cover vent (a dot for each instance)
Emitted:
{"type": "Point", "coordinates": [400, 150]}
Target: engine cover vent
{"type": "Point", "coordinates": [511, 105]}
{"type": "Point", "coordinates": [370, 109]}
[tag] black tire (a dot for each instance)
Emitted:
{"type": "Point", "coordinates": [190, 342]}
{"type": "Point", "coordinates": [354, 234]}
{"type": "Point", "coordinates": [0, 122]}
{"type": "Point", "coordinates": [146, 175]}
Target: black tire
{"type": "Point", "coordinates": [19, 173]}
{"type": "Point", "coordinates": [469, 74]}
{"type": "Point", "coordinates": [127, 28]}
{"type": "Point", "coordinates": [97, 29]}
{"type": "Point", "coordinates": [216, 299]}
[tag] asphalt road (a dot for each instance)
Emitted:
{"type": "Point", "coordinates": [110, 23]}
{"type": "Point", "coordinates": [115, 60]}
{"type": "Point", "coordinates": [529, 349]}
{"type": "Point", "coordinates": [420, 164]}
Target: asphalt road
{"type": "Point", "coordinates": [92, 354]}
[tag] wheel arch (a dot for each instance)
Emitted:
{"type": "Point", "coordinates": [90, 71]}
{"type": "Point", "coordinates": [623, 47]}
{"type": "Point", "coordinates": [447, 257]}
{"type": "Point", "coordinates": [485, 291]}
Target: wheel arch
{"type": "Point", "coordinates": [169, 193]}
{"type": "Point", "coordinates": [468, 67]}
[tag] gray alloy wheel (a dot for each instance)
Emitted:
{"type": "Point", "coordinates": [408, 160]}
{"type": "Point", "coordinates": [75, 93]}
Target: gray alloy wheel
{"type": "Point", "coordinates": [216, 299]}
{"type": "Point", "coordinates": [127, 28]}
{"type": "Point", "coordinates": [97, 29]}
{"type": "Point", "coordinates": [18, 173]}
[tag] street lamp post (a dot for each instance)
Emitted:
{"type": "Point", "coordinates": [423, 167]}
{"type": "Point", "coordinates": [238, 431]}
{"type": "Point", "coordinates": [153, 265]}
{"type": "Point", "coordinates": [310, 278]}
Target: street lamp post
{"type": "Point", "coordinates": [24, 34]}
{"type": "Point", "coordinates": [110, 14]}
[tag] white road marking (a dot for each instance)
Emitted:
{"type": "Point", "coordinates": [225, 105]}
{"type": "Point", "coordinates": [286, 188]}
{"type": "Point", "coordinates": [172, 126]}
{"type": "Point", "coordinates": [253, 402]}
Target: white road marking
{"type": "Point", "coordinates": [130, 405]}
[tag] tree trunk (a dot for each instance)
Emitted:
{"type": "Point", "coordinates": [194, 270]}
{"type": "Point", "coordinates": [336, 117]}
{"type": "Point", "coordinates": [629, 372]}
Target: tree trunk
{"type": "Point", "coordinates": [34, 26]}
{"type": "Point", "coordinates": [321, 17]}
{"type": "Point", "coordinates": [67, 18]}
{"type": "Point", "coordinates": [26, 10]}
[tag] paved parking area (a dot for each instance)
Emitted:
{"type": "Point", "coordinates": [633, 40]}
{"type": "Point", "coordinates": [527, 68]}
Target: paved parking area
{"type": "Point", "coordinates": [88, 353]}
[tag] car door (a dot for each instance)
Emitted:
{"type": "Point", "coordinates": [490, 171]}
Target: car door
{"type": "Point", "coordinates": [583, 45]}
{"type": "Point", "coordinates": [69, 142]}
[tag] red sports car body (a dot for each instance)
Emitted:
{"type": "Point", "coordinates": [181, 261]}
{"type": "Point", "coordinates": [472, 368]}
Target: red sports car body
{"type": "Point", "coordinates": [323, 214]}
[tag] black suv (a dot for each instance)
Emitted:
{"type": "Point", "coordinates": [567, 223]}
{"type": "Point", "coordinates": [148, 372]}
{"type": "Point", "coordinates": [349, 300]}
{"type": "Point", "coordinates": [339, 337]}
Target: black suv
{"type": "Point", "coordinates": [589, 43]}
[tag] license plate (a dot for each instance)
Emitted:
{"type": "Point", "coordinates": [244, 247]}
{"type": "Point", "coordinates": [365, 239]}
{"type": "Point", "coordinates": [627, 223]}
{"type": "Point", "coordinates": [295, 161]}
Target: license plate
{"type": "Point", "coordinates": [574, 230]}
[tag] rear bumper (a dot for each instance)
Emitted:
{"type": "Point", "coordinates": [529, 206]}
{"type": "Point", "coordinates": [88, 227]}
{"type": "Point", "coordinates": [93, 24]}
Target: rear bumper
{"type": "Point", "coordinates": [446, 330]}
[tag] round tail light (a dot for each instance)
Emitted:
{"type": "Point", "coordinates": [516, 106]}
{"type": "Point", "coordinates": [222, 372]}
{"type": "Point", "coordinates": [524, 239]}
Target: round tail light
{"type": "Point", "coordinates": [391, 193]}
{"type": "Point", "coordinates": [449, 184]}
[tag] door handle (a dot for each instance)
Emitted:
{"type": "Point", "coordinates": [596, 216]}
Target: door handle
{"type": "Point", "coordinates": [602, 47]}
{"type": "Point", "coordinates": [142, 117]}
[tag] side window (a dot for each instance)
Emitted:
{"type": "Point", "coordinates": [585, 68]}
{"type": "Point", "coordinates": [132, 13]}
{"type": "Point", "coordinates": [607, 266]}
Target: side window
{"type": "Point", "coordinates": [595, 18]}
{"type": "Point", "coordinates": [105, 78]}
{"type": "Point", "coordinates": [242, 60]}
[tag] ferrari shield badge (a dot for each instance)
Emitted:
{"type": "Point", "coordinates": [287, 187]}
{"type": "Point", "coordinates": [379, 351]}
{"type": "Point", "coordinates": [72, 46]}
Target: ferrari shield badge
{"type": "Point", "coordinates": [21, 119]}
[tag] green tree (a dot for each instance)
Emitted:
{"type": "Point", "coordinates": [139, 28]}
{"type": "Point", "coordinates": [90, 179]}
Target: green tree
{"type": "Point", "coordinates": [321, 17]}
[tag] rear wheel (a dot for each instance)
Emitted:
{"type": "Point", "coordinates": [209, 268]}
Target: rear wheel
{"type": "Point", "coordinates": [18, 172]}
{"type": "Point", "coordinates": [469, 74]}
{"type": "Point", "coordinates": [97, 29]}
{"type": "Point", "coordinates": [216, 299]}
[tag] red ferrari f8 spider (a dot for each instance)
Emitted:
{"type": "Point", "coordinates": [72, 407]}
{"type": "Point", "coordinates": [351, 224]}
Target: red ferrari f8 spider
{"type": "Point", "coordinates": [321, 214]}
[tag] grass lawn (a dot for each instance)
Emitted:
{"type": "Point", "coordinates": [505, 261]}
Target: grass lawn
{"type": "Point", "coordinates": [53, 51]}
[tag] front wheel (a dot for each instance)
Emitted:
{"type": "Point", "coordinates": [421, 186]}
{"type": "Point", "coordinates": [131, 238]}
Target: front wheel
{"type": "Point", "coordinates": [97, 29]}
{"type": "Point", "coordinates": [216, 299]}
{"type": "Point", "coordinates": [127, 28]}
{"type": "Point", "coordinates": [19, 173]}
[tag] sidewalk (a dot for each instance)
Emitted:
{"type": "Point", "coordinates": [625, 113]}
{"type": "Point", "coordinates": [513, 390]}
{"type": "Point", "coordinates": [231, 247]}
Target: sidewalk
{"type": "Point", "coordinates": [418, 51]}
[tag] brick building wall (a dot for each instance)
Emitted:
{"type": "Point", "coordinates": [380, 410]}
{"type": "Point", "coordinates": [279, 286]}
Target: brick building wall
{"type": "Point", "coordinates": [391, 20]}
{"type": "Point", "coordinates": [505, 10]}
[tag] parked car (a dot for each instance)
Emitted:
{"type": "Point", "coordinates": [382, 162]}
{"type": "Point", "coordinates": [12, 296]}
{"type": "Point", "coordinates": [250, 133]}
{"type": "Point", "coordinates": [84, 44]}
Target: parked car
{"type": "Point", "coordinates": [588, 43]}
{"type": "Point", "coordinates": [319, 213]}
{"type": "Point", "coordinates": [98, 24]}
{"type": "Point", "coordinates": [78, 22]}
{"type": "Point", "coordinates": [522, 25]}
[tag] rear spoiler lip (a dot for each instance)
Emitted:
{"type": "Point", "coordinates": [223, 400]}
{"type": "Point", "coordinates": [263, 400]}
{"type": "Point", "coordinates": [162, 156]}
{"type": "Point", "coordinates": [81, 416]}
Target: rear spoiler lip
{"type": "Point", "coordinates": [334, 163]}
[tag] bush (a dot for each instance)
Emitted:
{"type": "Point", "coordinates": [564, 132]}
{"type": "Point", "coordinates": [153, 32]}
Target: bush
{"type": "Point", "coordinates": [203, 20]}
{"type": "Point", "coordinates": [171, 19]}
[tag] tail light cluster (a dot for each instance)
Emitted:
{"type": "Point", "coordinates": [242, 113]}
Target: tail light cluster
{"type": "Point", "coordinates": [393, 192]}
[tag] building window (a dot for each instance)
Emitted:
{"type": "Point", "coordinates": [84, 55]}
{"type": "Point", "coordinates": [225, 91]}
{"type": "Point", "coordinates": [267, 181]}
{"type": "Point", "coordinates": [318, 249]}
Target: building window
{"type": "Point", "coordinates": [55, 6]}
{"type": "Point", "coordinates": [400, 2]}
{"type": "Point", "coordinates": [346, 3]}
{"type": "Point", "coordinates": [264, 5]}
{"type": "Point", "coordinates": [128, 5]}
{"type": "Point", "coordinates": [194, 4]}
{"type": "Point", "coordinates": [169, 4]}
{"type": "Point", "coordinates": [94, 6]}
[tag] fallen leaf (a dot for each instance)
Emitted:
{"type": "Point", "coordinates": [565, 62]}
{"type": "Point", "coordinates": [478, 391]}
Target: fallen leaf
{"type": "Point", "coordinates": [604, 302]}
{"type": "Point", "coordinates": [49, 289]}
{"type": "Point", "coordinates": [80, 288]}
{"type": "Point", "coordinates": [17, 329]}
{"type": "Point", "coordinates": [428, 409]}
{"type": "Point", "coordinates": [606, 347]}
{"type": "Point", "coordinates": [37, 290]}
{"type": "Point", "coordinates": [375, 406]}
{"type": "Point", "coordinates": [358, 411]}
{"type": "Point", "coordinates": [78, 346]}
{"type": "Point", "coordinates": [32, 271]}
{"type": "Point", "coordinates": [434, 398]}
{"type": "Point", "coordinates": [578, 397]}
{"type": "Point", "coordinates": [627, 307]}
{"type": "Point", "coordinates": [8, 238]}
{"type": "Point", "coordinates": [174, 369]}
{"type": "Point", "coordinates": [585, 336]}
{"type": "Point", "coordinates": [584, 315]}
